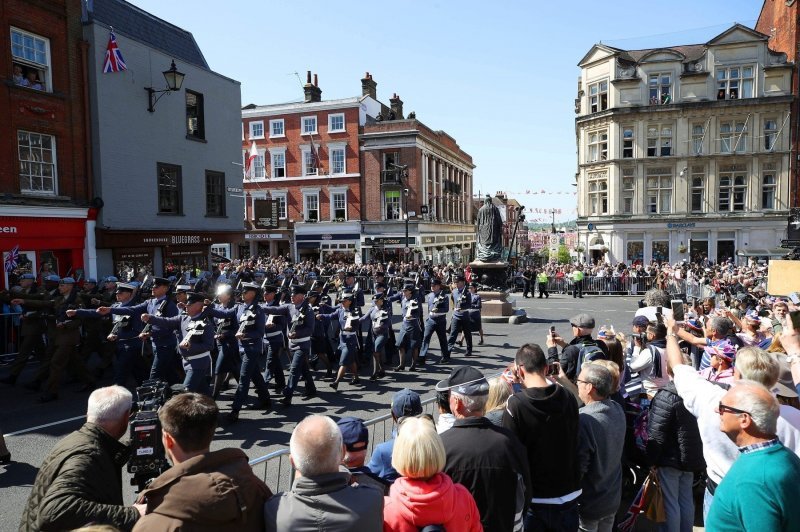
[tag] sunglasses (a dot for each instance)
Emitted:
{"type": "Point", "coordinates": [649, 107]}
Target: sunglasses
{"type": "Point", "coordinates": [722, 408]}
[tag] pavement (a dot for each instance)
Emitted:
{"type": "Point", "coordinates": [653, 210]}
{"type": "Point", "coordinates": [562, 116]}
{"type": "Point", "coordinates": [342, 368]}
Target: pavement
{"type": "Point", "coordinates": [32, 429]}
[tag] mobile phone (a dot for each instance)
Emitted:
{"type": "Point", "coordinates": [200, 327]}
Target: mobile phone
{"type": "Point", "coordinates": [552, 369]}
{"type": "Point", "coordinates": [795, 316]}
{"type": "Point", "coordinates": [677, 309]}
{"type": "Point", "coordinates": [552, 330]}
{"type": "Point", "coordinates": [794, 298]}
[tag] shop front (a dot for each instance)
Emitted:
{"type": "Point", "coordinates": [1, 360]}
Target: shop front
{"type": "Point", "coordinates": [43, 241]}
{"type": "Point", "coordinates": [128, 254]}
{"type": "Point", "coordinates": [269, 243]}
{"type": "Point", "coordinates": [328, 241]}
{"type": "Point", "coordinates": [447, 248]}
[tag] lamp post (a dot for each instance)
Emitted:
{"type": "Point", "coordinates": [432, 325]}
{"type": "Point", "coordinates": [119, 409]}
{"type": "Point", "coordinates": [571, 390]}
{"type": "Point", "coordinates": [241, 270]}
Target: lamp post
{"type": "Point", "coordinates": [174, 80]}
{"type": "Point", "coordinates": [402, 174]}
{"type": "Point", "coordinates": [520, 218]}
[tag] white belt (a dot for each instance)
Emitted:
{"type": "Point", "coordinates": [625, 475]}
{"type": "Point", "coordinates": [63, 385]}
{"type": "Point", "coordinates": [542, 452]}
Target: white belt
{"type": "Point", "coordinates": [270, 335]}
{"type": "Point", "coordinates": [195, 357]}
{"type": "Point", "coordinates": [344, 333]}
{"type": "Point", "coordinates": [299, 340]}
{"type": "Point", "coordinates": [436, 314]}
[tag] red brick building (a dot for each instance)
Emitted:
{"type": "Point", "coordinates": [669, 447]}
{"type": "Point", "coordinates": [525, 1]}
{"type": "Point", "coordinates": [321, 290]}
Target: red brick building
{"type": "Point", "coordinates": [45, 173]}
{"type": "Point", "coordinates": [779, 19]}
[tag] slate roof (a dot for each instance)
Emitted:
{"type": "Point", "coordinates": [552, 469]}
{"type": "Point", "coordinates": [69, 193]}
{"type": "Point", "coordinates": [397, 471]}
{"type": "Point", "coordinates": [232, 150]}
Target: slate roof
{"type": "Point", "coordinates": [135, 23]}
{"type": "Point", "coordinates": [691, 52]}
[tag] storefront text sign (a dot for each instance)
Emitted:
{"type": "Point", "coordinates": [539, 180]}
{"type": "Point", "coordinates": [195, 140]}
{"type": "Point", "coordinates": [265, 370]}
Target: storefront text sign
{"type": "Point", "coordinates": [8, 229]}
{"type": "Point", "coordinates": [683, 225]}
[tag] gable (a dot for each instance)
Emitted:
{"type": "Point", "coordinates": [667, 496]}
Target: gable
{"type": "Point", "coordinates": [597, 53]}
{"type": "Point", "coordinates": [737, 34]}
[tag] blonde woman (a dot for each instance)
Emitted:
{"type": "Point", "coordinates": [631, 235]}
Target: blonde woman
{"type": "Point", "coordinates": [499, 392]}
{"type": "Point", "coordinates": [424, 495]}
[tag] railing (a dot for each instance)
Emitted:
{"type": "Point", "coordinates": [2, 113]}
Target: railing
{"type": "Point", "coordinates": [632, 286]}
{"type": "Point", "coordinates": [9, 336]}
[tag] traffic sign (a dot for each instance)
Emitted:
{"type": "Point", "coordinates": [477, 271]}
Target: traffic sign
{"type": "Point", "coordinates": [407, 250]}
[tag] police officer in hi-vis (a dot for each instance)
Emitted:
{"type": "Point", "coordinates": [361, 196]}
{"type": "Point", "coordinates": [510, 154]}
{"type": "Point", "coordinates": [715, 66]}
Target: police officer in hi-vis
{"type": "Point", "coordinates": [438, 306]}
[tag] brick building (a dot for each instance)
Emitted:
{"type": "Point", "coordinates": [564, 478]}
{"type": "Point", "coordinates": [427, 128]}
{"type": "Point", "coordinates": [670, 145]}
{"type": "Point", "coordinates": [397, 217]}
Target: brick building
{"type": "Point", "coordinates": [779, 20]}
{"type": "Point", "coordinates": [45, 173]}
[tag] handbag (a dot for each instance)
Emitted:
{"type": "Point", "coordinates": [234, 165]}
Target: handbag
{"type": "Point", "coordinates": [654, 500]}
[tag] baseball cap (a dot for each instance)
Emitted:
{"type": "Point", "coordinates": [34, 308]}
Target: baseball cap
{"type": "Point", "coordinates": [640, 321]}
{"type": "Point", "coordinates": [582, 320]}
{"type": "Point", "coordinates": [406, 403]}
{"type": "Point", "coordinates": [355, 434]}
{"type": "Point", "coordinates": [465, 380]}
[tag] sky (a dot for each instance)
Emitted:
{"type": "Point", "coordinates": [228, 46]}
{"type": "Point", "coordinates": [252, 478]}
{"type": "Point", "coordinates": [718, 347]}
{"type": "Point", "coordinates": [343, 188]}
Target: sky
{"type": "Point", "coordinates": [498, 76]}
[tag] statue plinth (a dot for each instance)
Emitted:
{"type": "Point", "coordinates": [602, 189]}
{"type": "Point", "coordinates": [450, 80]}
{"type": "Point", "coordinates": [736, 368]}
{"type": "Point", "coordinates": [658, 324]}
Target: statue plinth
{"type": "Point", "coordinates": [495, 305]}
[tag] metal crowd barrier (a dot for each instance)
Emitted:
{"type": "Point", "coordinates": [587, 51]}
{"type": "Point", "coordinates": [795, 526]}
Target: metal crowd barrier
{"type": "Point", "coordinates": [9, 336]}
{"type": "Point", "coordinates": [602, 285]}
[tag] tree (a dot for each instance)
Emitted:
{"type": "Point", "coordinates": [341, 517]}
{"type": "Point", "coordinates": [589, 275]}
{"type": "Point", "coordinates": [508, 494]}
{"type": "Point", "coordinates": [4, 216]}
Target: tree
{"type": "Point", "coordinates": [562, 255]}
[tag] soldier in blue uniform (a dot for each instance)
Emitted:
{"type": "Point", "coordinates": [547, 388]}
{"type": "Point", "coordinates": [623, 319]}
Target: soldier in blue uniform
{"type": "Point", "coordinates": [197, 340]}
{"type": "Point", "coordinates": [250, 334]}
{"type": "Point", "coordinates": [274, 340]}
{"type": "Point", "coordinates": [462, 301]}
{"type": "Point", "coordinates": [300, 331]}
{"type": "Point", "coordinates": [391, 341]}
{"type": "Point", "coordinates": [320, 344]}
{"type": "Point", "coordinates": [380, 317]}
{"type": "Point", "coordinates": [410, 331]}
{"type": "Point", "coordinates": [352, 287]}
{"type": "Point", "coordinates": [350, 319]}
{"type": "Point", "coordinates": [438, 305]}
{"type": "Point", "coordinates": [475, 310]}
{"type": "Point", "coordinates": [228, 360]}
{"type": "Point", "coordinates": [128, 361]}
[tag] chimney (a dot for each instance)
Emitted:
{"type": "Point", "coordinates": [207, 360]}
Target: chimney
{"type": "Point", "coordinates": [312, 91]}
{"type": "Point", "coordinates": [369, 87]}
{"type": "Point", "coordinates": [397, 106]}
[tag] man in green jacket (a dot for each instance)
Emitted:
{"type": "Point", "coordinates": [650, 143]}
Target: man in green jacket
{"type": "Point", "coordinates": [760, 488]}
{"type": "Point", "coordinates": [80, 482]}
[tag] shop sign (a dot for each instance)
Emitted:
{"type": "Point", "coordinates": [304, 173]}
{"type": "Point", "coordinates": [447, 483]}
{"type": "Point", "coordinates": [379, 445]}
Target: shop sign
{"type": "Point", "coordinates": [327, 237]}
{"type": "Point", "coordinates": [388, 241]}
{"type": "Point", "coordinates": [451, 238]}
{"type": "Point", "coordinates": [184, 239]}
{"type": "Point", "coordinates": [428, 239]}
{"type": "Point", "coordinates": [8, 229]}
{"type": "Point", "coordinates": [683, 225]}
{"type": "Point", "coordinates": [265, 214]}
{"type": "Point", "coordinates": [133, 256]}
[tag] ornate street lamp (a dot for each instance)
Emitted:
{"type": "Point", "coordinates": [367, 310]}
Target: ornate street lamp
{"type": "Point", "coordinates": [174, 82]}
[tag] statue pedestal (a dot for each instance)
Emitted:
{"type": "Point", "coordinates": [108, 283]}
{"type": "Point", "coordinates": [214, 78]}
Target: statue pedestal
{"type": "Point", "coordinates": [496, 308]}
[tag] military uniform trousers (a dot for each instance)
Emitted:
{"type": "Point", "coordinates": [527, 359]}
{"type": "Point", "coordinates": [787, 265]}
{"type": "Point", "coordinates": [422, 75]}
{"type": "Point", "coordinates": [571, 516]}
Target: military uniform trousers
{"type": "Point", "coordinates": [457, 325]}
{"type": "Point", "coordinates": [438, 325]}
{"type": "Point", "coordinates": [252, 353]}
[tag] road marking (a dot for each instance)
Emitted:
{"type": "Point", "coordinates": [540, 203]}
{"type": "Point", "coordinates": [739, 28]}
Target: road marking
{"type": "Point", "coordinates": [23, 431]}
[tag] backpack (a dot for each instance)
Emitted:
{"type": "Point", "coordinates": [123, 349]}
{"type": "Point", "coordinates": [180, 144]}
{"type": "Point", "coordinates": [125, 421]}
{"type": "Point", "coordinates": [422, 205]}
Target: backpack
{"type": "Point", "coordinates": [589, 352]}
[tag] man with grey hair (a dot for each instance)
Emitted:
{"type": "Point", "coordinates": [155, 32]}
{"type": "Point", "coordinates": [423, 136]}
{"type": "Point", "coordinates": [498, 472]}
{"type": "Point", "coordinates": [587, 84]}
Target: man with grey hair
{"type": "Point", "coordinates": [655, 301]}
{"type": "Point", "coordinates": [761, 487]}
{"type": "Point", "coordinates": [488, 460]}
{"type": "Point", "coordinates": [322, 497]}
{"type": "Point", "coordinates": [601, 438]}
{"type": "Point", "coordinates": [81, 480]}
{"type": "Point", "coordinates": [718, 329]}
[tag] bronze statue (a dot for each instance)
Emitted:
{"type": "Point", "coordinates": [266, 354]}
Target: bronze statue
{"type": "Point", "coordinates": [490, 232]}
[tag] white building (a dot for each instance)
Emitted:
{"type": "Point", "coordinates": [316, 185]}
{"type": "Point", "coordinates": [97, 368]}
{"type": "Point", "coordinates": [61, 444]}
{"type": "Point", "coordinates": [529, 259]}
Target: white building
{"type": "Point", "coordinates": [683, 152]}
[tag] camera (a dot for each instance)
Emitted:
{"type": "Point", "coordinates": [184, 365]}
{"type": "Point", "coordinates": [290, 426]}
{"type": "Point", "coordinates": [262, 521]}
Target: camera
{"type": "Point", "coordinates": [148, 459]}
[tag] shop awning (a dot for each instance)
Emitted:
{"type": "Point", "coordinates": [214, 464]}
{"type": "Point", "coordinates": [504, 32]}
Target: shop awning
{"type": "Point", "coordinates": [774, 252]}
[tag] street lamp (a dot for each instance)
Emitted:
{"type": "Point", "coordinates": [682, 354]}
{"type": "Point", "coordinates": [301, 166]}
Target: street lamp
{"type": "Point", "coordinates": [402, 173]}
{"type": "Point", "coordinates": [174, 82]}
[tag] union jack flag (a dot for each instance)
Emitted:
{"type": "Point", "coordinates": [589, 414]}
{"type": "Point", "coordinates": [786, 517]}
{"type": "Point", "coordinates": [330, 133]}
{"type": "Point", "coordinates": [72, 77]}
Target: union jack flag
{"type": "Point", "coordinates": [11, 259]}
{"type": "Point", "coordinates": [114, 61]}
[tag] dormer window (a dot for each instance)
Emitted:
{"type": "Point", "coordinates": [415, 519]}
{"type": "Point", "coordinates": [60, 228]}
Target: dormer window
{"type": "Point", "coordinates": [598, 96]}
{"type": "Point", "coordinates": [735, 82]}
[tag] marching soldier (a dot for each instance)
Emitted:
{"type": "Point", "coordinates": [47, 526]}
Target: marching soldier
{"type": "Point", "coordinates": [352, 287]}
{"type": "Point", "coordinates": [275, 340]}
{"type": "Point", "coordinates": [349, 319]}
{"type": "Point", "coordinates": [462, 301]}
{"type": "Point", "coordinates": [320, 344]}
{"type": "Point", "coordinates": [381, 324]}
{"type": "Point", "coordinates": [250, 334]}
{"type": "Point", "coordinates": [302, 327]}
{"type": "Point", "coordinates": [410, 331]}
{"type": "Point", "coordinates": [31, 329]}
{"type": "Point", "coordinates": [476, 324]}
{"type": "Point", "coordinates": [438, 306]}
{"type": "Point", "coordinates": [95, 331]}
{"type": "Point", "coordinates": [196, 343]}
{"type": "Point", "coordinates": [228, 360]}
{"type": "Point", "coordinates": [391, 341]}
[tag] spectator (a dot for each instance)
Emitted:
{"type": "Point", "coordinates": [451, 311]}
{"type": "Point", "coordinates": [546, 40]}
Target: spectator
{"type": "Point", "coordinates": [638, 338]}
{"type": "Point", "coordinates": [602, 437]}
{"type": "Point", "coordinates": [674, 447]}
{"type": "Point", "coordinates": [404, 403]}
{"type": "Point", "coordinates": [203, 490]}
{"type": "Point", "coordinates": [651, 362]}
{"type": "Point", "coordinates": [721, 368]}
{"type": "Point", "coordinates": [545, 418]}
{"type": "Point", "coordinates": [322, 497]}
{"type": "Point", "coordinates": [18, 76]}
{"type": "Point", "coordinates": [580, 349]}
{"type": "Point", "coordinates": [761, 487]}
{"type": "Point", "coordinates": [81, 479]}
{"type": "Point", "coordinates": [718, 329]}
{"type": "Point", "coordinates": [424, 495]}
{"type": "Point", "coordinates": [655, 301]}
{"type": "Point", "coordinates": [31, 80]}
{"type": "Point", "coordinates": [499, 392]}
{"type": "Point", "coordinates": [355, 437]}
{"type": "Point", "coordinates": [446, 417]}
{"type": "Point", "coordinates": [488, 460]}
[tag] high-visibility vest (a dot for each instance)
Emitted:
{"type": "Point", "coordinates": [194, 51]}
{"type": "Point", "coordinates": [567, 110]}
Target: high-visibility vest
{"type": "Point", "coordinates": [578, 275]}
{"type": "Point", "coordinates": [542, 277]}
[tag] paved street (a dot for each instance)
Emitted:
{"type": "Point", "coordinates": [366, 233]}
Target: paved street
{"type": "Point", "coordinates": [258, 433]}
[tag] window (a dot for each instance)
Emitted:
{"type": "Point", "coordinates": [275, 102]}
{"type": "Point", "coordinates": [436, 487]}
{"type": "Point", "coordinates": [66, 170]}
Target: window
{"type": "Point", "coordinates": [598, 193]}
{"type": "Point", "coordinates": [391, 204]}
{"type": "Point", "coordinates": [37, 163]}
{"type": "Point", "coordinates": [276, 128]}
{"type": "Point", "coordinates": [258, 167]}
{"type": "Point", "coordinates": [169, 189]}
{"type": "Point", "coordinates": [337, 162]}
{"type": "Point", "coordinates": [215, 193]}
{"type": "Point", "coordinates": [598, 96]}
{"type": "Point", "coordinates": [698, 190]}
{"type": "Point", "coordinates": [659, 190]}
{"type": "Point", "coordinates": [336, 123]}
{"type": "Point", "coordinates": [635, 247]}
{"type": "Point", "coordinates": [257, 130]}
{"type": "Point", "coordinates": [660, 86]}
{"type": "Point", "coordinates": [735, 82]}
{"type": "Point", "coordinates": [732, 193]}
{"type": "Point", "coordinates": [659, 140]}
{"type": "Point", "coordinates": [698, 133]}
{"type": "Point", "coordinates": [195, 126]}
{"type": "Point", "coordinates": [768, 186]}
{"type": "Point", "coordinates": [770, 133]}
{"type": "Point", "coordinates": [627, 142]}
{"type": "Point", "coordinates": [309, 125]}
{"type": "Point", "coordinates": [30, 55]}
{"type": "Point", "coordinates": [339, 205]}
{"type": "Point", "coordinates": [278, 163]}
{"type": "Point", "coordinates": [628, 189]}
{"type": "Point", "coordinates": [598, 146]}
{"type": "Point", "coordinates": [660, 250]}
{"type": "Point", "coordinates": [732, 137]}
{"type": "Point", "coordinates": [309, 162]}
{"type": "Point", "coordinates": [311, 201]}
{"type": "Point", "coordinates": [280, 200]}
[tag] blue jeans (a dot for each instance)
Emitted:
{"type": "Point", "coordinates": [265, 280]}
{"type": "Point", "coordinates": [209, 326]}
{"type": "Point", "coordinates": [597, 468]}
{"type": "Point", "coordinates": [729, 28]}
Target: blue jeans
{"type": "Point", "coordinates": [438, 326]}
{"type": "Point", "coordinates": [707, 500]}
{"type": "Point", "coordinates": [299, 368]}
{"type": "Point", "coordinates": [274, 364]}
{"type": "Point", "coordinates": [552, 517]}
{"type": "Point", "coordinates": [128, 363]}
{"type": "Point", "coordinates": [198, 373]}
{"type": "Point", "coordinates": [676, 487]}
{"type": "Point", "coordinates": [250, 371]}
{"type": "Point", "coordinates": [165, 362]}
